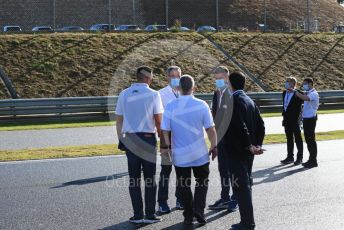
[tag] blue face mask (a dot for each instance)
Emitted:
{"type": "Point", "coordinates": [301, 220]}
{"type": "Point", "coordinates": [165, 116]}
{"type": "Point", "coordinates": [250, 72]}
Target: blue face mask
{"type": "Point", "coordinates": [220, 83]}
{"type": "Point", "coordinates": [175, 82]}
{"type": "Point", "coordinates": [287, 85]}
{"type": "Point", "coordinates": [306, 87]}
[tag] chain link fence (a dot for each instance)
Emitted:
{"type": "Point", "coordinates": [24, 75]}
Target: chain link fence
{"type": "Point", "coordinates": [233, 15]}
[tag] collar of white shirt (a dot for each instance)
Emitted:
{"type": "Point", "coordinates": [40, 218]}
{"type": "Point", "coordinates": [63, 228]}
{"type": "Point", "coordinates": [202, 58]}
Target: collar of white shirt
{"type": "Point", "coordinates": [310, 91]}
{"type": "Point", "coordinates": [140, 84]}
{"type": "Point", "coordinates": [185, 96]}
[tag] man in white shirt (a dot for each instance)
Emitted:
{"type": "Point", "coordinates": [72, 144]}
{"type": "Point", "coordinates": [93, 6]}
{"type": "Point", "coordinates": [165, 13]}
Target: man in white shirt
{"type": "Point", "coordinates": [138, 116]}
{"type": "Point", "coordinates": [168, 94]}
{"type": "Point", "coordinates": [309, 116]}
{"type": "Point", "coordinates": [185, 120]}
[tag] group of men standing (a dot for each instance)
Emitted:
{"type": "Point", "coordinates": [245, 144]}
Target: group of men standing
{"type": "Point", "coordinates": [180, 120]}
{"type": "Point", "coordinates": [294, 117]}
{"type": "Point", "coordinates": [235, 131]}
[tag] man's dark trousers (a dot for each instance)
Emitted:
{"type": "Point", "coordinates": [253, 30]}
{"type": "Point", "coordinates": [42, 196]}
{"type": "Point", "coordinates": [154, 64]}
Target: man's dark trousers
{"type": "Point", "coordinates": [242, 187]}
{"type": "Point", "coordinates": [166, 169]}
{"type": "Point", "coordinates": [196, 204]}
{"type": "Point", "coordinates": [223, 165]}
{"type": "Point", "coordinates": [142, 161]}
{"type": "Point", "coordinates": [309, 125]}
{"type": "Point", "coordinates": [292, 131]}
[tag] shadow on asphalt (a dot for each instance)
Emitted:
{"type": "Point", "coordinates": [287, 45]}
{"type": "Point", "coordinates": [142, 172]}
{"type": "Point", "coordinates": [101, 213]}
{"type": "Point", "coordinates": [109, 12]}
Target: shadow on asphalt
{"type": "Point", "coordinates": [92, 180]}
{"type": "Point", "coordinates": [123, 225]}
{"type": "Point", "coordinates": [215, 215]}
{"type": "Point", "coordinates": [272, 174]}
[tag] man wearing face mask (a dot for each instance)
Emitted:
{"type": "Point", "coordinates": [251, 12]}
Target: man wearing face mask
{"type": "Point", "coordinates": [168, 94]}
{"type": "Point", "coordinates": [221, 111]}
{"type": "Point", "coordinates": [291, 121]}
{"type": "Point", "coordinates": [309, 116]}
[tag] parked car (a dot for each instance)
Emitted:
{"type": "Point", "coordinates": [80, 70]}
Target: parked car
{"type": "Point", "coordinates": [128, 28]}
{"type": "Point", "coordinates": [206, 29]}
{"type": "Point", "coordinates": [12, 29]}
{"type": "Point", "coordinates": [103, 27]}
{"type": "Point", "coordinates": [338, 29]}
{"type": "Point", "coordinates": [182, 28]}
{"type": "Point", "coordinates": [70, 29]}
{"type": "Point", "coordinates": [263, 27]}
{"type": "Point", "coordinates": [42, 29]}
{"type": "Point", "coordinates": [156, 28]}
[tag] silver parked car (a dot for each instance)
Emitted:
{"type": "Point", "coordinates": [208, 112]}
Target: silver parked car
{"type": "Point", "coordinates": [156, 28]}
{"type": "Point", "coordinates": [182, 28]}
{"type": "Point", "coordinates": [70, 29]}
{"type": "Point", "coordinates": [206, 29]}
{"type": "Point", "coordinates": [103, 27]}
{"type": "Point", "coordinates": [128, 28]}
{"type": "Point", "coordinates": [42, 29]}
{"type": "Point", "coordinates": [12, 29]}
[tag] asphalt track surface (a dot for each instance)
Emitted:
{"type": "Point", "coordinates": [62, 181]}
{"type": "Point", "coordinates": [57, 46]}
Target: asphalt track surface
{"type": "Point", "coordinates": [13, 140]}
{"type": "Point", "coordinates": [91, 193]}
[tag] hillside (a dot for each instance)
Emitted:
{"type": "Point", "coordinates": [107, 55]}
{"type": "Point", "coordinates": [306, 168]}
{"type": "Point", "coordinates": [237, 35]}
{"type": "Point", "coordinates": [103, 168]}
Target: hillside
{"type": "Point", "coordinates": [64, 65]}
{"type": "Point", "coordinates": [281, 15]}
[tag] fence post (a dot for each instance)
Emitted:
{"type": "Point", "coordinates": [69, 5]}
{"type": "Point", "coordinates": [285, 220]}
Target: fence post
{"type": "Point", "coordinates": [217, 14]}
{"type": "Point", "coordinates": [264, 15]}
{"type": "Point", "coordinates": [308, 16]}
{"type": "Point", "coordinates": [109, 14]}
{"type": "Point", "coordinates": [134, 12]}
{"type": "Point", "coordinates": [167, 11]}
{"type": "Point", "coordinates": [54, 14]}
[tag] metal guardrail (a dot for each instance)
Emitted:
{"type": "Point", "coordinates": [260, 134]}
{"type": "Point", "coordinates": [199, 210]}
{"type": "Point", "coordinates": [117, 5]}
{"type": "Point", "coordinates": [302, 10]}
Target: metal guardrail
{"type": "Point", "coordinates": [97, 107]}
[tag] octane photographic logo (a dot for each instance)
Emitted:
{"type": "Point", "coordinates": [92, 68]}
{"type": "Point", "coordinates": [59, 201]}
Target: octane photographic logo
{"type": "Point", "coordinates": [161, 54]}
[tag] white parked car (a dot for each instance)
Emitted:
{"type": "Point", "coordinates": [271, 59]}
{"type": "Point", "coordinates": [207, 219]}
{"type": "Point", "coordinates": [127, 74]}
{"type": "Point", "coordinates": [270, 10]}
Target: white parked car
{"type": "Point", "coordinates": [12, 29]}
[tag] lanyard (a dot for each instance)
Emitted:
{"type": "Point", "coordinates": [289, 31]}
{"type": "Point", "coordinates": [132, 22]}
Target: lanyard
{"type": "Point", "coordinates": [176, 94]}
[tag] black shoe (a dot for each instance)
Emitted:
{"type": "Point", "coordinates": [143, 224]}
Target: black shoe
{"type": "Point", "coordinates": [298, 162]}
{"type": "Point", "coordinates": [188, 222]}
{"type": "Point", "coordinates": [219, 205]}
{"type": "Point", "coordinates": [310, 164]}
{"type": "Point", "coordinates": [152, 219]}
{"type": "Point", "coordinates": [179, 205]}
{"type": "Point", "coordinates": [240, 226]}
{"type": "Point", "coordinates": [287, 160]}
{"type": "Point", "coordinates": [200, 218]}
{"type": "Point", "coordinates": [136, 220]}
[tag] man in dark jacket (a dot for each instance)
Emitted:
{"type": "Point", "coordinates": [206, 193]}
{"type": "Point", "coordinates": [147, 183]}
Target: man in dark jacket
{"type": "Point", "coordinates": [243, 140]}
{"type": "Point", "coordinates": [291, 122]}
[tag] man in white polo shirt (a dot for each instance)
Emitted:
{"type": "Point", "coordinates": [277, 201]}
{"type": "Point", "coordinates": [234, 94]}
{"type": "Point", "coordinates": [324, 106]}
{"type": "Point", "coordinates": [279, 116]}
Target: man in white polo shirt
{"type": "Point", "coordinates": [168, 94]}
{"type": "Point", "coordinates": [138, 115]}
{"type": "Point", "coordinates": [185, 120]}
{"type": "Point", "coordinates": [309, 117]}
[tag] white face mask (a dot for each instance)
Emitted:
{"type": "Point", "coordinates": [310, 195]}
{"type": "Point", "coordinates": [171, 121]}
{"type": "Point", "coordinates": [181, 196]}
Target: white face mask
{"type": "Point", "coordinates": [306, 87]}
{"type": "Point", "coordinates": [175, 82]}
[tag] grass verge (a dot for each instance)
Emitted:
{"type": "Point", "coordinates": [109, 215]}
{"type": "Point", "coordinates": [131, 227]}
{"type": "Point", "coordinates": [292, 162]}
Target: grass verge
{"type": "Point", "coordinates": [278, 114]}
{"type": "Point", "coordinates": [95, 123]}
{"type": "Point", "coordinates": [112, 149]}
{"type": "Point", "coordinates": [54, 125]}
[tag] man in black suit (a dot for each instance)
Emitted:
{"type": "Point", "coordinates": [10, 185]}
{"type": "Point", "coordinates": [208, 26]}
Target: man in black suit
{"type": "Point", "coordinates": [243, 140]}
{"type": "Point", "coordinates": [291, 121]}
